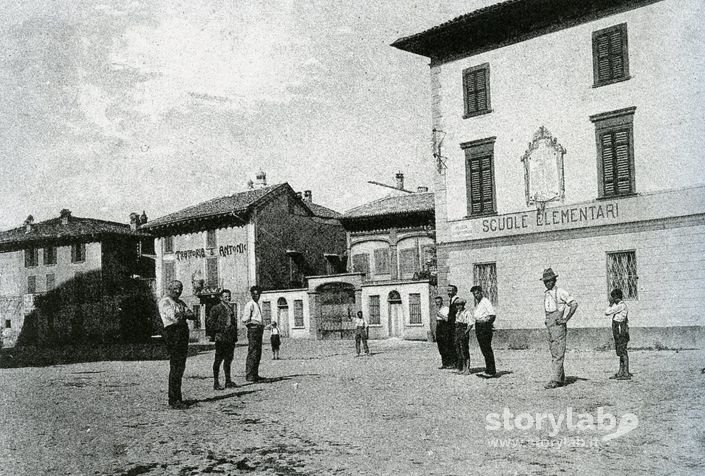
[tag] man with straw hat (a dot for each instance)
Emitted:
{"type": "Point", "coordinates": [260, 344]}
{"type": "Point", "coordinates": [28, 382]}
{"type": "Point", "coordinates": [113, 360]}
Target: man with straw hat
{"type": "Point", "coordinates": [555, 302]}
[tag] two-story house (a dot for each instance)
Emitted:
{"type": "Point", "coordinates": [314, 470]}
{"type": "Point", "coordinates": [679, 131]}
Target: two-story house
{"type": "Point", "coordinates": [569, 135]}
{"type": "Point", "coordinates": [87, 259]}
{"type": "Point", "coordinates": [267, 235]}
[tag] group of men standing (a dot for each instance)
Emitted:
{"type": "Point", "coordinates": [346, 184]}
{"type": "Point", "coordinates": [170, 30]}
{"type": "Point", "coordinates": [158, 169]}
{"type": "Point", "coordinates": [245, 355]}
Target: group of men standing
{"type": "Point", "coordinates": [453, 325]}
{"type": "Point", "coordinates": [223, 322]}
{"type": "Point", "coordinates": [454, 322]}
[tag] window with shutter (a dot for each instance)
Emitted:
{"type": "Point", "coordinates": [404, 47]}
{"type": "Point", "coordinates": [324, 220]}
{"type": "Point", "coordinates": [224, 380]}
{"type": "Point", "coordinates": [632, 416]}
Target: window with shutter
{"type": "Point", "coordinates": [267, 312]}
{"type": "Point", "coordinates": [78, 252]}
{"type": "Point", "coordinates": [408, 262]}
{"type": "Point", "coordinates": [415, 308]}
{"type": "Point", "coordinates": [50, 282]}
{"type": "Point", "coordinates": [361, 263]}
{"type": "Point", "coordinates": [168, 274]}
{"type": "Point", "coordinates": [210, 239]}
{"type": "Point", "coordinates": [50, 255]}
{"type": "Point", "coordinates": [31, 257]}
{"type": "Point", "coordinates": [374, 316]}
{"type": "Point", "coordinates": [610, 55]}
{"type": "Point", "coordinates": [382, 261]}
{"type": "Point", "coordinates": [479, 170]}
{"type": "Point", "coordinates": [168, 244]}
{"type": "Point", "coordinates": [615, 152]}
{"type": "Point", "coordinates": [476, 90]}
{"type": "Point", "coordinates": [298, 313]}
{"type": "Point", "coordinates": [212, 272]}
{"type": "Point", "coordinates": [31, 284]}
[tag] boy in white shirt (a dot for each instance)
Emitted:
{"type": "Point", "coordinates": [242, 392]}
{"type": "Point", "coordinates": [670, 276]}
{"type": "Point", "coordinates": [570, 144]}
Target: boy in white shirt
{"type": "Point", "coordinates": [620, 331]}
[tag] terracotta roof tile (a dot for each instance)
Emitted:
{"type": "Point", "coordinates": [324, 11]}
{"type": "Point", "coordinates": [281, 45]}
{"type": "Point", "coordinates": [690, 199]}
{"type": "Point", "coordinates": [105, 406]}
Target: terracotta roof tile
{"type": "Point", "coordinates": [54, 230]}
{"type": "Point", "coordinates": [394, 205]}
{"type": "Point", "coordinates": [238, 202]}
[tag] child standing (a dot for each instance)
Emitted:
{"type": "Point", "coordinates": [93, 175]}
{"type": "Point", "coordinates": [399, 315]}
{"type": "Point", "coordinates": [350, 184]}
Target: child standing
{"type": "Point", "coordinates": [620, 330]}
{"type": "Point", "coordinates": [275, 340]}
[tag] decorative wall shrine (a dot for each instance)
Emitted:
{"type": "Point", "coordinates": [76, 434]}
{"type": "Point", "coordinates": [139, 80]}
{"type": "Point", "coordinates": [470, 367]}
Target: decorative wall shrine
{"type": "Point", "coordinates": [543, 168]}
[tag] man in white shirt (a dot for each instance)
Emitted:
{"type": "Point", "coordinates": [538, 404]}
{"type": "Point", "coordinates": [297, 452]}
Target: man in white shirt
{"type": "Point", "coordinates": [174, 313]}
{"type": "Point", "coordinates": [360, 333]}
{"type": "Point", "coordinates": [442, 334]}
{"type": "Point", "coordinates": [556, 300]}
{"type": "Point", "coordinates": [484, 315]}
{"type": "Point", "coordinates": [252, 318]}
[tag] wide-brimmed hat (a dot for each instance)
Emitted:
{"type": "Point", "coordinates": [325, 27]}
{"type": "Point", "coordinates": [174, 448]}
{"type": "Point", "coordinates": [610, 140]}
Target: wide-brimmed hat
{"type": "Point", "coordinates": [460, 301]}
{"type": "Point", "coordinates": [548, 274]}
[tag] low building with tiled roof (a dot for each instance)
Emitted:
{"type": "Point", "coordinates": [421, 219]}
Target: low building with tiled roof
{"type": "Point", "coordinates": [403, 209]}
{"type": "Point", "coordinates": [387, 272]}
{"type": "Point", "coordinates": [44, 257]}
{"type": "Point", "coordinates": [270, 235]}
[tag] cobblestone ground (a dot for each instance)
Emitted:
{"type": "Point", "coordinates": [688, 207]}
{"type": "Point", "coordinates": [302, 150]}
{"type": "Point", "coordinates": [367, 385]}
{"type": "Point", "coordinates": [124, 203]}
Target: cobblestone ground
{"type": "Point", "coordinates": [326, 412]}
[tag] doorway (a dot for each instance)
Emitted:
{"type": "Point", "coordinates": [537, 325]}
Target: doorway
{"type": "Point", "coordinates": [396, 315]}
{"type": "Point", "coordinates": [283, 317]}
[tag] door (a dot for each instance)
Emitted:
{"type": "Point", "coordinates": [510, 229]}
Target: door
{"type": "Point", "coordinates": [396, 315]}
{"type": "Point", "coordinates": [283, 317]}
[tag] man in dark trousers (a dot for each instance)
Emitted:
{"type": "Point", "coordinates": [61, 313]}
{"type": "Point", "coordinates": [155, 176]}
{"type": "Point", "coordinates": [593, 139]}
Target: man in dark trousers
{"type": "Point", "coordinates": [252, 318]}
{"type": "Point", "coordinates": [174, 313]}
{"type": "Point", "coordinates": [455, 361]}
{"type": "Point", "coordinates": [484, 316]}
{"type": "Point", "coordinates": [442, 333]}
{"type": "Point", "coordinates": [224, 328]}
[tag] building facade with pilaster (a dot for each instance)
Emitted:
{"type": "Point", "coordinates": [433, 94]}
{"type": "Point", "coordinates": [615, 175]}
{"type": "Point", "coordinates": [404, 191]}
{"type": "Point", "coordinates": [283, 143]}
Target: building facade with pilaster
{"type": "Point", "coordinates": [570, 135]}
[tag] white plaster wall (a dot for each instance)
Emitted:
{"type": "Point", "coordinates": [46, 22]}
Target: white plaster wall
{"type": "Point", "coordinates": [670, 266]}
{"type": "Point", "coordinates": [548, 81]}
{"type": "Point", "coordinates": [290, 296]}
{"type": "Point", "coordinates": [409, 331]}
{"type": "Point", "coordinates": [233, 268]}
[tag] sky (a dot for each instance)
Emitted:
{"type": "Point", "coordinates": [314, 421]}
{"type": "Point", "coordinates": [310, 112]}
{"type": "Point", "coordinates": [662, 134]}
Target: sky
{"type": "Point", "coordinates": [110, 107]}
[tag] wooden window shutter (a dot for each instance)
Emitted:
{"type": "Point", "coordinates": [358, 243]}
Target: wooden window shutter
{"type": "Point", "coordinates": [476, 90]}
{"type": "Point", "coordinates": [481, 183]}
{"type": "Point", "coordinates": [212, 272]}
{"type": "Point", "coordinates": [616, 162]}
{"type": "Point", "coordinates": [610, 55]}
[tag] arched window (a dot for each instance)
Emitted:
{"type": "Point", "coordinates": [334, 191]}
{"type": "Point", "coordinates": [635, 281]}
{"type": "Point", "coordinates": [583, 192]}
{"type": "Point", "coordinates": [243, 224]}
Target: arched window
{"type": "Point", "coordinates": [394, 297]}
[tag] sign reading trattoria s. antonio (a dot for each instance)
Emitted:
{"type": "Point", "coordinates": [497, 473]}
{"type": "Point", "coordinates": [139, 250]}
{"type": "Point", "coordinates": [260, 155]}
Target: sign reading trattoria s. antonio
{"type": "Point", "coordinates": [222, 251]}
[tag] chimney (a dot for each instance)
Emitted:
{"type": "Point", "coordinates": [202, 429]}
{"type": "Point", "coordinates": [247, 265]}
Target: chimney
{"type": "Point", "coordinates": [134, 221]}
{"type": "Point", "coordinates": [250, 184]}
{"type": "Point", "coordinates": [260, 179]}
{"type": "Point", "coordinates": [298, 195]}
{"type": "Point", "coordinates": [28, 224]}
{"type": "Point", "coordinates": [65, 215]}
{"type": "Point", "coordinates": [143, 218]}
{"type": "Point", "coordinates": [308, 197]}
{"type": "Point", "coordinates": [400, 180]}
{"type": "Point", "coordinates": [421, 189]}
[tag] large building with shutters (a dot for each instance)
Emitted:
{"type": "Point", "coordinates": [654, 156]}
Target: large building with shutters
{"type": "Point", "coordinates": [267, 235]}
{"type": "Point", "coordinates": [570, 135]}
{"type": "Point", "coordinates": [85, 263]}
